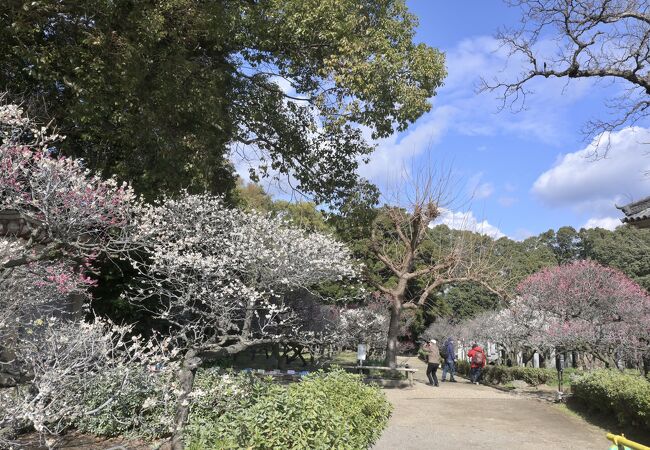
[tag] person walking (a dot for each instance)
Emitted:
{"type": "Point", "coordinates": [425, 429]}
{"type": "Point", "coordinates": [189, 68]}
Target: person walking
{"type": "Point", "coordinates": [477, 361]}
{"type": "Point", "coordinates": [449, 359]}
{"type": "Point", "coordinates": [433, 361]}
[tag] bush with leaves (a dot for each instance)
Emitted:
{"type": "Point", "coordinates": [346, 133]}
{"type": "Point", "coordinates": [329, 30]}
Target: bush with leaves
{"type": "Point", "coordinates": [623, 395]}
{"type": "Point", "coordinates": [531, 375]}
{"type": "Point", "coordinates": [323, 411]}
{"type": "Point", "coordinates": [504, 374]}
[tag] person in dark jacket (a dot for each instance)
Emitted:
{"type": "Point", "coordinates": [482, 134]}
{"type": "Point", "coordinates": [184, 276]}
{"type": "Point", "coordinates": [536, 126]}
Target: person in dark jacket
{"type": "Point", "coordinates": [433, 360]}
{"type": "Point", "coordinates": [477, 361]}
{"type": "Point", "coordinates": [449, 363]}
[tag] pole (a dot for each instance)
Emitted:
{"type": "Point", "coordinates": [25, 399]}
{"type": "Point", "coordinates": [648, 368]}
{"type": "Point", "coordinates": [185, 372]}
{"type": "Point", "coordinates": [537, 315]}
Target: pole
{"type": "Point", "coordinates": [559, 365]}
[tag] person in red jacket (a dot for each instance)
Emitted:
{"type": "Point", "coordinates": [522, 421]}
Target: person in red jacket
{"type": "Point", "coordinates": [477, 361]}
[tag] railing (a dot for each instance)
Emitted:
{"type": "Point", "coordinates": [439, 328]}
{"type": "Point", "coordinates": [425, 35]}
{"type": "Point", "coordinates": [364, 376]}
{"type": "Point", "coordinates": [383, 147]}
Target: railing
{"type": "Point", "coordinates": [623, 443]}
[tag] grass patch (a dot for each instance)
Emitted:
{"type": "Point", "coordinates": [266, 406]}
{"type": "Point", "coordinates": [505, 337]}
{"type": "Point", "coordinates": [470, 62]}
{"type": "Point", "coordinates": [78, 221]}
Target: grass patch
{"type": "Point", "coordinates": [346, 358]}
{"type": "Point", "coordinates": [605, 422]}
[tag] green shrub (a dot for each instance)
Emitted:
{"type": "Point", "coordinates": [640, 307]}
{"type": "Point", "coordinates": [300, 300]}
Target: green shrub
{"type": "Point", "coordinates": [624, 395]}
{"type": "Point", "coordinates": [462, 368]}
{"type": "Point", "coordinates": [531, 375]}
{"type": "Point", "coordinates": [505, 374]}
{"type": "Point", "coordinates": [323, 411]}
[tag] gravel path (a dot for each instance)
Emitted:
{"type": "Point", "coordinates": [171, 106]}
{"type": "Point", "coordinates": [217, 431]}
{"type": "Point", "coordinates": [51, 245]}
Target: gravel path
{"type": "Point", "coordinates": [461, 416]}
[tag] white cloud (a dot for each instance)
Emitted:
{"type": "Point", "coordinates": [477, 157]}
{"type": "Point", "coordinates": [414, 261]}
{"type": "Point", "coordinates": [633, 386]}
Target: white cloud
{"type": "Point", "coordinates": [510, 187]}
{"type": "Point", "coordinates": [521, 234]}
{"type": "Point", "coordinates": [483, 190]}
{"type": "Point", "coordinates": [608, 223]}
{"type": "Point", "coordinates": [394, 154]}
{"type": "Point", "coordinates": [541, 115]}
{"type": "Point", "coordinates": [594, 186]}
{"type": "Point", "coordinates": [458, 108]}
{"type": "Point", "coordinates": [467, 221]}
{"type": "Point", "coordinates": [285, 85]}
{"type": "Point", "coordinates": [507, 202]}
{"type": "Point", "coordinates": [478, 189]}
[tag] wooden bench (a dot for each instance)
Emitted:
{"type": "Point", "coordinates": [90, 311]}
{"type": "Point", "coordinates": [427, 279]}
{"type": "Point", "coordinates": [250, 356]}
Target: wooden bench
{"type": "Point", "coordinates": [409, 372]}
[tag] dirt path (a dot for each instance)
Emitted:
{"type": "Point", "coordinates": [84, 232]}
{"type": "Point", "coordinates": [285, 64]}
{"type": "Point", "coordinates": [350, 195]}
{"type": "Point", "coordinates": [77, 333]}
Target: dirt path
{"type": "Point", "coordinates": [461, 416]}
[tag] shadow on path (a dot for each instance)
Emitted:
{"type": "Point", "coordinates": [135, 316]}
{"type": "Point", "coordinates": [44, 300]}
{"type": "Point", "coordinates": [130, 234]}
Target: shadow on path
{"type": "Point", "coordinates": [462, 415]}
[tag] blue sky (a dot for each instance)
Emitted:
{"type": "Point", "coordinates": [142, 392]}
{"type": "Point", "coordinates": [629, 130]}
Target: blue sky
{"type": "Point", "coordinates": [527, 171]}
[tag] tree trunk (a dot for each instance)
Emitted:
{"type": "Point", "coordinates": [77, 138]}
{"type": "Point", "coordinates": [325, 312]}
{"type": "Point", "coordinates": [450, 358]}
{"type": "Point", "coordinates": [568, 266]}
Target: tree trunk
{"type": "Point", "coordinates": [393, 333]}
{"type": "Point", "coordinates": [275, 356]}
{"type": "Point", "coordinates": [191, 362]}
{"type": "Point", "coordinates": [248, 318]}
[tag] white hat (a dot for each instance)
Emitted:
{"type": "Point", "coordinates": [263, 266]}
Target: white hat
{"type": "Point", "coordinates": [433, 341]}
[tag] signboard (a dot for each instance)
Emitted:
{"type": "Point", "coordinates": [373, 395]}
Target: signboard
{"type": "Point", "coordinates": [361, 352]}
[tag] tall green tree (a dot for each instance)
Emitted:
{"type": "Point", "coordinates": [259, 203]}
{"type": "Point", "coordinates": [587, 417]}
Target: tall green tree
{"type": "Point", "coordinates": [302, 214]}
{"type": "Point", "coordinates": [463, 301]}
{"type": "Point", "coordinates": [524, 258]}
{"type": "Point", "coordinates": [626, 248]}
{"type": "Point", "coordinates": [567, 246]}
{"type": "Point", "coordinates": [160, 92]}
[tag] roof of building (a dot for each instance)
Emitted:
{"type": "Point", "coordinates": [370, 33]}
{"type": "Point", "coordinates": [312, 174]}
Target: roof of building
{"type": "Point", "coordinates": [636, 211]}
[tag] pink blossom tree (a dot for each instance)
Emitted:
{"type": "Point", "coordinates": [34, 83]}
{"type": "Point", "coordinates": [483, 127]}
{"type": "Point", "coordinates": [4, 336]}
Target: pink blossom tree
{"type": "Point", "coordinates": [581, 306]}
{"type": "Point", "coordinates": [66, 217]}
{"type": "Point", "coordinates": [69, 211]}
{"type": "Point", "coordinates": [57, 220]}
{"type": "Point", "coordinates": [588, 307]}
{"type": "Point", "coordinates": [219, 275]}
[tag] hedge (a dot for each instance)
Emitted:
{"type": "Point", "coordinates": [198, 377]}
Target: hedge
{"type": "Point", "coordinates": [505, 374]}
{"type": "Point", "coordinates": [332, 410]}
{"type": "Point", "coordinates": [623, 395]}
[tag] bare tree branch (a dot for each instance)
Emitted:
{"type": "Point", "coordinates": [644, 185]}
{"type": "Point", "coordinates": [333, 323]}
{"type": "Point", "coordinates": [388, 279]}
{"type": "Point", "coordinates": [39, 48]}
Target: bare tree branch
{"type": "Point", "coordinates": [595, 39]}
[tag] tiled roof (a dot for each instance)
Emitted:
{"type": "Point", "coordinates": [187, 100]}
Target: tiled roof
{"type": "Point", "coordinates": [636, 211]}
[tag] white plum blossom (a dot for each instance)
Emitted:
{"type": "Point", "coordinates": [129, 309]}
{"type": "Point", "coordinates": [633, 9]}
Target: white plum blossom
{"type": "Point", "coordinates": [69, 360]}
{"type": "Point", "coordinates": [364, 325]}
{"type": "Point", "coordinates": [67, 218]}
{"type": "Point", "coordinates": [219, 277]}
{"type": "Point", "coordinates": [62, 218]}
{"type": "Point", "coordinates": [223, 272]}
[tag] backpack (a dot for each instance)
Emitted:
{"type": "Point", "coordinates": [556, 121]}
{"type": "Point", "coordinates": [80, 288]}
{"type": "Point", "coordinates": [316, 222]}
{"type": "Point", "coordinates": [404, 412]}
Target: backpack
{"type": "Point", "coordinates": [478, 358]}
{"type": "Point", "coordinates": [443, 352]}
